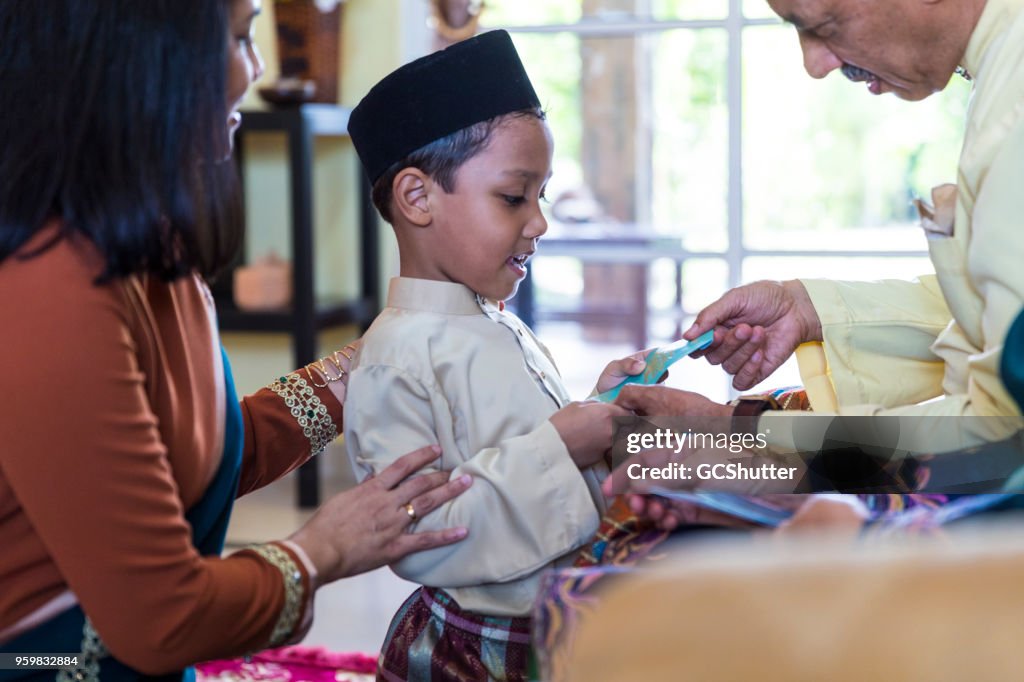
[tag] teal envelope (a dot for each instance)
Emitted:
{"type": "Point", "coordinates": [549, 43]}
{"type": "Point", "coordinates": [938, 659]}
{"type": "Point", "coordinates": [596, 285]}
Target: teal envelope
{"type": "Point", "coordinates": [659, 360]}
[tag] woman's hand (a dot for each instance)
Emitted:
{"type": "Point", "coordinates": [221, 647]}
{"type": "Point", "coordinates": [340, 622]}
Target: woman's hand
{"type": "Point", "coordinates": [587, 430]}
{"type": "Point", "coordinates": [757, 327]}
{"type": "Point", "coordinates": [366, 527]}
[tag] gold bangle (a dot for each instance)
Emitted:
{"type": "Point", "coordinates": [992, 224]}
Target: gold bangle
{"type": "Point", "coordinates": [333, 359]}
{"type": "Point", "coordinates": [294, 592]}
{"type": "Point", "coordinates": [323, 372]}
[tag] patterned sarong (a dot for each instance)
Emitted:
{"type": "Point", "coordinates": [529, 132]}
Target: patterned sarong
{"type": "Point", "coordinates": [431, 639]}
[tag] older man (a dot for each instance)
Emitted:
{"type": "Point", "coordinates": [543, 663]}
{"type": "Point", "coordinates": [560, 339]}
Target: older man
{"type": "Point", "coordinates": [929, 348]}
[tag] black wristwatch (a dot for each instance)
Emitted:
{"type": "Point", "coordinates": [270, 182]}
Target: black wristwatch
{"type": "Point", "coordinates": [746, 411]}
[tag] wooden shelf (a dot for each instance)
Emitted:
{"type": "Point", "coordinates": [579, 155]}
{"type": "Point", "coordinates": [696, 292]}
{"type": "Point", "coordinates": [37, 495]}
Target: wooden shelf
{"type": "Point", "coordinates": [308, 314]}
{"type": "Point", "coordinates": [325, 315]}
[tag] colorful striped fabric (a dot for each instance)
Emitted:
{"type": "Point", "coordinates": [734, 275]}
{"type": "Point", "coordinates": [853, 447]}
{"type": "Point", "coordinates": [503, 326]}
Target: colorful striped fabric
{"type": "Point", "coordinates": [432, 639]}
{"type": "Point", "coordinates": [622, 542]}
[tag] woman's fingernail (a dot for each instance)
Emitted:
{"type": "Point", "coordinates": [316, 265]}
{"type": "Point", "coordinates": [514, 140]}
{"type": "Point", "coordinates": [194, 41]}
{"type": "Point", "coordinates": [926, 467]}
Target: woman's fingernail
{"type": "Point", "coordinates": [436, 449]}
{"type": "Point", "coordinates": [466, 480]}
{"type": "Point", "coordinates": [458, 533]}
{"type": "Point", "coordinates": [756, 357]}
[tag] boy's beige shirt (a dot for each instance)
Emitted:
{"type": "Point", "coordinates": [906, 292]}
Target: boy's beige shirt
{"type": "Point", "coordinates": [891, 345]}
{"type": "Point", "coordinates": [439, 365]}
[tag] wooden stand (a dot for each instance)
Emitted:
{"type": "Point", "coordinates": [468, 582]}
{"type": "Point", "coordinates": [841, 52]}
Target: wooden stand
{"type": "Point", "coordinates": [307, 314]}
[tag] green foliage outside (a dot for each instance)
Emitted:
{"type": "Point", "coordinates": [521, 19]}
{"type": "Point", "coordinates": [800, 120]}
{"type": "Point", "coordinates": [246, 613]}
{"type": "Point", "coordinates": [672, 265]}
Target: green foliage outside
{"type": "Point", "coordinates": [817, 156]}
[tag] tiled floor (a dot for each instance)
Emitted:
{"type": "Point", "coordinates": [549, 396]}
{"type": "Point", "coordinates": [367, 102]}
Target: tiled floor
{"type": "Point", "coordinates": [353, 614]}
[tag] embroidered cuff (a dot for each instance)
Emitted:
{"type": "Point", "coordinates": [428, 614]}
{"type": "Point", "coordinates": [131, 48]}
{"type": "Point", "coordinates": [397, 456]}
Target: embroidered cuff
{"type": "Point", "coordinates": [309, 412]}
{"type": "Point", "coordinates": [294, 592]}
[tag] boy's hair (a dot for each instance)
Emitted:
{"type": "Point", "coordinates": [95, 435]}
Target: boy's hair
{"type": "Point", "coordinates": [442, 159]}
{"type": "Point", "coordinates": [115, 122]}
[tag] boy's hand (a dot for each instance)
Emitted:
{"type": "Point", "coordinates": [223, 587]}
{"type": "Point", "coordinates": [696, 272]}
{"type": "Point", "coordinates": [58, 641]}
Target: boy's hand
{"type": "Point", "coordinates": [618, 370]}
{"type": "Point", "coordinates": [587, 430]}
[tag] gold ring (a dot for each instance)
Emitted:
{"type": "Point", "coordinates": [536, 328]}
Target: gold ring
{"type": "Point", "coordinates": [411, 511]}
{"type": "Point", "coordinates": [342, 351]}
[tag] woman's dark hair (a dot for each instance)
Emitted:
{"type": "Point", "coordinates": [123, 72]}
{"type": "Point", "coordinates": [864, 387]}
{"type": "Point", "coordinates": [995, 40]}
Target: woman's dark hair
{"type": "Point", "coordinates": [115, 121]}
{"type": "Point", "coordinates": [441, 159]}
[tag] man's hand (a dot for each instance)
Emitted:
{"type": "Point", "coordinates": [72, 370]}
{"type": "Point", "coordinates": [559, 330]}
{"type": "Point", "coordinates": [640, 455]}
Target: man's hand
{"type": "Point", "coordinates": [587, 429]}
{"type": "Point", "coordinates": [757, 327]}
{"type": "Point", "coordinates": [702, 415]}
{"type": "Point", "coordinates": [670, 514]}
{"type": "Point", "coordinates": [662, 401]}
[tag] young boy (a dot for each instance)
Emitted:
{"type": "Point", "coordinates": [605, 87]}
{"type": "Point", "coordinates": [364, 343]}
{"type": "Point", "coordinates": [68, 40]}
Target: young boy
{"type": "Point", "coordinates": [458, 152]}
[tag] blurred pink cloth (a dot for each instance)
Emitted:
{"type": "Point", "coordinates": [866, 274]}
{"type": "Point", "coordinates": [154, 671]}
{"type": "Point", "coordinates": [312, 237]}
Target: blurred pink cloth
{"type": "Point", "coordinates": [292, 663]}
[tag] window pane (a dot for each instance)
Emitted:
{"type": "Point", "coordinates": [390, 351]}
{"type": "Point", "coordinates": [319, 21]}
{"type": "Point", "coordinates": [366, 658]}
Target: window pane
{"type": "Point", "coordinates": [690, 136]}
{"type": "Point", "coordinates": [532, 13]}
{"type": "Point", "coordinates": [641, 125]}
{"type": "Point", "coordinates": [538, 12]}
{"type": "Point", "coordinates": [757, 9]}
{"type": "Point", "coordinates": [553, 63]}
{"type": "Point", "coordinates": [689, 9]}
{"type": "Point", "coordinates": [849, 268]}
{"type": "Point", "coordinates": [703, 281]}
{"type": "Point", "coordinates": [824, 159]}
{"type": "Point", "coordinates": [557, 280]}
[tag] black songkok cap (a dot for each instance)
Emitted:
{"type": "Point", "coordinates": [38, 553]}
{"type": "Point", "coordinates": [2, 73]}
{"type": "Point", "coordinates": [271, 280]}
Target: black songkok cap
{"type": "Point", "coordinates": [471, 81]}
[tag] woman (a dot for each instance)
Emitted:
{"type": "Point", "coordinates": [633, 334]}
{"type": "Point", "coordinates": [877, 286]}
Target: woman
{"type": "Point", "coordinates": [123, 442]}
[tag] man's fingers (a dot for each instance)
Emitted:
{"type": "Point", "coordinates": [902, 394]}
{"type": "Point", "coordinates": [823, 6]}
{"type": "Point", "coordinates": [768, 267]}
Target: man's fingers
{"type": "Point", "coordinates": [744, 351]}
{"type": "Point", "coordinates": [762, 364]}
{"type": "Point", "coordinates": [406, 465]}
{"type": "Point", "coordinates": [619, 410]}
{"type": "Point", "coordinates": [751, 374]}
{"type": "Point", "coordinates": [669, 522]}
{"type": "Point", "coordinates": [618, 481]}
{"type": "Point", "coordinates": [657, 457]}
{"type": "Point", "coordinates": [639, 399]}
{"type": "Point", "coordinates": [732, 341]}
{"type": "Point", "coordinates": [714, 315]}
{"type": "Point", "coordinates": [637, 504]}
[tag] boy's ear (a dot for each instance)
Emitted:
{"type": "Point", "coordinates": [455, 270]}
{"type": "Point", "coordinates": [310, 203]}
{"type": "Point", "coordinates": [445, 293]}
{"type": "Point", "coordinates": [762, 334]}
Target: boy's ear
{"type": "Point", "coordinates": [410, 189]}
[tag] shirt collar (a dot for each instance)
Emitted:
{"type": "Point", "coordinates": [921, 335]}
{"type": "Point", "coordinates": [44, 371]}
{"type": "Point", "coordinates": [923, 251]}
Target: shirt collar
{"type": "Point", "coordinates": [432, 296]}
{"type": "Point", "coordinates": [996, 18]}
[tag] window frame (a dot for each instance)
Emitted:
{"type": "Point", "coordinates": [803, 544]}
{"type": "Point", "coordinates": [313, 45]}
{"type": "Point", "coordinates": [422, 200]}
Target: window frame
{"type": "Point", "coordinates": [734, 25]}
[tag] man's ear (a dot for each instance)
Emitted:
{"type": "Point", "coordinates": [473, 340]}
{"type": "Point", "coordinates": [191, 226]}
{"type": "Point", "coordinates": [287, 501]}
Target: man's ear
{"type": "Point", "coordinates": [410, 189]}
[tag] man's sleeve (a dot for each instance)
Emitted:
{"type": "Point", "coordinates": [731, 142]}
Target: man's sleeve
{"type": "Point", "coordinates": [878, 337]}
